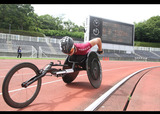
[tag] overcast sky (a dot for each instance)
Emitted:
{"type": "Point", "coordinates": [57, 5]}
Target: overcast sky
{"type": "Point", "coordinates": [77, 13]}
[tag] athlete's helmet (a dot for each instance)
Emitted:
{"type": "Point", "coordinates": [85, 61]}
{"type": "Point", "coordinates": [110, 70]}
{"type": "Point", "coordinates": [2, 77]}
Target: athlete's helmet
{"type": "Point", "coordinates": [66, 44]}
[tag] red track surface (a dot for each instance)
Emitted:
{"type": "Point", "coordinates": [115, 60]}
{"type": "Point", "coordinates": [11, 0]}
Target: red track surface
{"type": "Point", "coordinates": [144, 87]}
{"type": "Point", "coordinates": [55, 95]}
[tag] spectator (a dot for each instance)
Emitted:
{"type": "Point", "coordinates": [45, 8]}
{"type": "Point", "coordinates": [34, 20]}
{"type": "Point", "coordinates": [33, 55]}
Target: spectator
{"type": "Point", "coordinates": [19, 51]}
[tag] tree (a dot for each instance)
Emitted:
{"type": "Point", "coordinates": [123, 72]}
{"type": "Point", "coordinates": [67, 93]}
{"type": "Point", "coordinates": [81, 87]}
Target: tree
{"type": "Point", "coordinates": [5, 15]}
{"type": "Point", "coordinates": [148, 31]}
{"type": "Point", "coordinates": [22, 17]}
{"type": "Point", "coordinates": [72, 27]}
{"type": "Point", "coordinates": [18, 15]}
{"type": "Point", "coordinates": [50, 22]}
{"type": "Point", "coordinates": [68, 25]}
{"type": "Point", "coordinates": [25, 13]}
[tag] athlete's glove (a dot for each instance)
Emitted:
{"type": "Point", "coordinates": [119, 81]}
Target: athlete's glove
{"type": "Point", "coordinates": [100, 52]}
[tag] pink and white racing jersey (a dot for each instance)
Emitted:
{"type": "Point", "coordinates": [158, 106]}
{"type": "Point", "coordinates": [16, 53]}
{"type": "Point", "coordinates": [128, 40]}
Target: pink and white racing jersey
{"type": "Point", "coordinates": [82, 48]}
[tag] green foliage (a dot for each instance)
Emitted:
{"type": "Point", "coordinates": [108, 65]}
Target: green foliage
{"type": "Point", "coordinates": [63, 33]}
{"type": "Point", "coordinates": [148, 31]}
{"type": "Point", "coordinates": [18, 15]}
{"type": "Point", "coordinates": [146, 44]}
{"type": "Point", "coordinates": [22, 18]}
{"type": "Point", "coordinates": [49, 22]}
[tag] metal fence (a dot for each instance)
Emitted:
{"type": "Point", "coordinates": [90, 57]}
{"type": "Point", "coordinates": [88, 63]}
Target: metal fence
{"type": "Point", "coordinates": [10, 37]}
{"type": "Point", "coordinates": [9, 50]}
{"type": "Point", "coordinates": [146, 48]}
{"type": "Point", "coordinates": [48, 51]}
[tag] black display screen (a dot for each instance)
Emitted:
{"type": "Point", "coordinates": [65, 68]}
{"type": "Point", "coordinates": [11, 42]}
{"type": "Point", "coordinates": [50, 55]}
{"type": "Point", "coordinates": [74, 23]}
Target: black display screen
{"type": "Point", "coordinates": [111, 31]}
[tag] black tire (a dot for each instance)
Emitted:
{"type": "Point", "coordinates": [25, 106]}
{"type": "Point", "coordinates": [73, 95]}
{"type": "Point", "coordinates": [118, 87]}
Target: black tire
{"type": "Point", "coordinates": [68, 78]}
{"type": "Point", "coordinates": [5, 86]}
{"type": "Point", "coordinates": [94, 70]}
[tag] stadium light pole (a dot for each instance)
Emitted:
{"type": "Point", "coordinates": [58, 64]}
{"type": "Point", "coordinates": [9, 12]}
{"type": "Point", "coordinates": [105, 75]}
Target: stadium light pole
{"type": "Point", "coordinates": [8, 39]}
{"type": "Point", "coordinates": [9, 28]}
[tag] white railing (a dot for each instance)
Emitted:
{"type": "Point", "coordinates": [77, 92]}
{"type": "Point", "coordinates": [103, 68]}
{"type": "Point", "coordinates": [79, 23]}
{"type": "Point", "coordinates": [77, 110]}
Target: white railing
{"type": "Point", "coordinates": [10, 37]}
{"type": "Point", "coordinates": [146, 48]}
{"type": "Point", "coordinates": [27, 38]}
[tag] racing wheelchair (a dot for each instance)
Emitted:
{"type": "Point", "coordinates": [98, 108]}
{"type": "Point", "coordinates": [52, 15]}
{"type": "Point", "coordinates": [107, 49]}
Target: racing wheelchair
{"type": "Point", "coordinates": [13, 86]}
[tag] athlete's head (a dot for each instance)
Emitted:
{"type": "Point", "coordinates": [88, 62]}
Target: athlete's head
{"type": "Point", "coordinates": [67, 45]}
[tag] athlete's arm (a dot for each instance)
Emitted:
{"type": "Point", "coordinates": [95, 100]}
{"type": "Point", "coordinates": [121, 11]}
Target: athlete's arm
{"type": "Point", "coordinates": [98, 42]}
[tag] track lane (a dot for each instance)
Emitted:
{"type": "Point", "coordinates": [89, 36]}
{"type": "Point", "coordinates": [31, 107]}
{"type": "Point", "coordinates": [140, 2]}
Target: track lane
{"type": "Point", "coordinates": [78, 95]}
{"type": "Point", "coordinates": [139, 93]}
{"type": "Point", "coordinates": [147, 93]}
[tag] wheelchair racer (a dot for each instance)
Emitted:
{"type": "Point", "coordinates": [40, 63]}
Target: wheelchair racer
{"type": "Point", "coordinates": [68, 46]}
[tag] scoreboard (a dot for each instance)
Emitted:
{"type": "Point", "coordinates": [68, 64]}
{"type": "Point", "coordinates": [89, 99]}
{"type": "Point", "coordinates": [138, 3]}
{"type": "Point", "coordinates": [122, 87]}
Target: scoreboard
{"type": "Point", "coordinates": [110, 31]}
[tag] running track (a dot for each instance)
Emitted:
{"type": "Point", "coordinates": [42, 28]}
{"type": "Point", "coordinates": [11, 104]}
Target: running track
{"type": "Point", "coordinates": [55, 95]}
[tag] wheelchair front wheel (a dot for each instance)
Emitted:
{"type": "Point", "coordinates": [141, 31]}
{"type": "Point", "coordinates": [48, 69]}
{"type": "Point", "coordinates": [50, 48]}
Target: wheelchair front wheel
{"type": "Point", "coordinates": [68, 78]}
{"type": "Point", "coordinates": [13, 93]}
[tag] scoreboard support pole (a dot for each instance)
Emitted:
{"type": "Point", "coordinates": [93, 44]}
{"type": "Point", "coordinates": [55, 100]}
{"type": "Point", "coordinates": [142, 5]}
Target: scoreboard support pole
{"type": "Point", "coordinates": [87, 25]}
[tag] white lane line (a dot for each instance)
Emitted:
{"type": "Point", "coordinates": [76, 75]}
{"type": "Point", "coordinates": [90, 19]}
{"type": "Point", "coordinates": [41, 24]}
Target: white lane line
{"type": "Point", "coordinates": [18, 75]}
{"type": "Point", "coordinates": [32, 86]}
{"type": "Point", "coordinates": [101, 99]}
{"type": "Point", "coordinates": [42, 84]}
{"type": "Point", "coordinates": [102, 71]}
{"type": "Point", "coordinates": [60, 80]}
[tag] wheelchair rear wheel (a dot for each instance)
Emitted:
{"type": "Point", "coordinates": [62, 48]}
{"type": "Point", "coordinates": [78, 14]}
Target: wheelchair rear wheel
{"type": "Point", "coordinates": [94, 70]}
